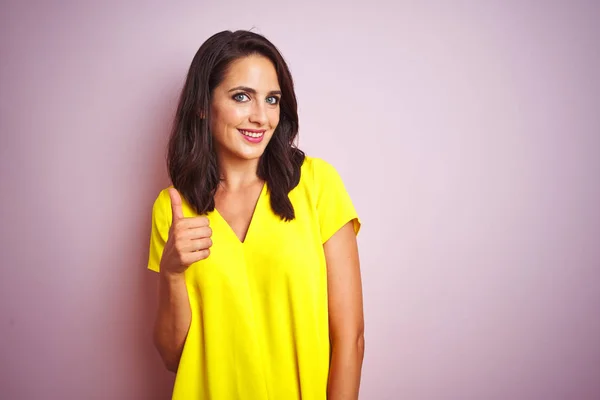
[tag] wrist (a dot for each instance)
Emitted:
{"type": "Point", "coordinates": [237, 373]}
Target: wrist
{"type": "Point", "coordinates": [172, 277]}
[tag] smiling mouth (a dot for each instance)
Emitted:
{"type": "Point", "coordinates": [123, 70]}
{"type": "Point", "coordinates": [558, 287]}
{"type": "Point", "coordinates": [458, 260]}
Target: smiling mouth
{"type": "Point", "coordinates": [252, 133]}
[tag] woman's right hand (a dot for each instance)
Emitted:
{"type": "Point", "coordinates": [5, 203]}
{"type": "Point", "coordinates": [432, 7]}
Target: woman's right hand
{"type": "Point", "coordinates": [189, 239]}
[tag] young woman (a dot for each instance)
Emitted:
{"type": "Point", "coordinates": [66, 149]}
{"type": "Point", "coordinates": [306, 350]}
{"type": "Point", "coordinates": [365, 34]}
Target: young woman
{"type": "Point", "coordinates": [255, 243]}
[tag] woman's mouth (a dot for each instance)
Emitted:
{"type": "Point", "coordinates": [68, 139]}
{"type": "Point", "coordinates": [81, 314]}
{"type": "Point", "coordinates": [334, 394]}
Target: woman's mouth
{"type": "Point", "coordinates": [253, 135]}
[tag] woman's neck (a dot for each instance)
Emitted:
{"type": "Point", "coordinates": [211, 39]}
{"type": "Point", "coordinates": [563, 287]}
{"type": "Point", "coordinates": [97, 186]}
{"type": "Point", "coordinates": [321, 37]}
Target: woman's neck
{"type": "Point", "coordinates": [238, 173]}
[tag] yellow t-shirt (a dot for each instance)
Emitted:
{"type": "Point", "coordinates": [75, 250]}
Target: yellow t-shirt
{"type": "Point", "coordinates": [259, 328]}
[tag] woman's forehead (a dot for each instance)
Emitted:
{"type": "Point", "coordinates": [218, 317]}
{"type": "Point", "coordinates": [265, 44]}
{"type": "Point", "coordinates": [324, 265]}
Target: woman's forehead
{"type": "Point", "coordinates": [256, 72]}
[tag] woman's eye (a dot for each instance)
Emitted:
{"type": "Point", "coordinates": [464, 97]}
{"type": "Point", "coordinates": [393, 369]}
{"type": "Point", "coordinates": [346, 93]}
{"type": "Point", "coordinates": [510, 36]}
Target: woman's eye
{"type": "Point", "coordinates": [273, 100]}
{"type": "Point", "coordinates": [240, 97]}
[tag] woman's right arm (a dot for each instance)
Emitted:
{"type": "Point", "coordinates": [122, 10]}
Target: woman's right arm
{"type": "Point", "coordinates": [173, 318]}
{"type": "Point", "coordinates": [189, 241]}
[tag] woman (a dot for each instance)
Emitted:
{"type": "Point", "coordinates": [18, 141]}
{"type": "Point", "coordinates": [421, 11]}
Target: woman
{"type": "Point", "coordinates": [255, 243]}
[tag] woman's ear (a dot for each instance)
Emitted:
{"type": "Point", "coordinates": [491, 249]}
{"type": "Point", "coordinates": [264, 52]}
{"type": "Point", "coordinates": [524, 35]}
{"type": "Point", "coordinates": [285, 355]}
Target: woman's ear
{"type": "Point", "coordinates": [202, 114]}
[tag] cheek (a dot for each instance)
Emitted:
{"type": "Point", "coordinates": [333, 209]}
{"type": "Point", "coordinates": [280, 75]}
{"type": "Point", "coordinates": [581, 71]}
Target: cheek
{"type": "Point", "coordinates": [223, 118]}
{"type": "Point", "coordinates": [274, 118]}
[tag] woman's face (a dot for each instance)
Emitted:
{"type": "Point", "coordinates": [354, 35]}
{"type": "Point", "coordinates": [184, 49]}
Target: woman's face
{"type": "Point", "coordinates": [245, 109]}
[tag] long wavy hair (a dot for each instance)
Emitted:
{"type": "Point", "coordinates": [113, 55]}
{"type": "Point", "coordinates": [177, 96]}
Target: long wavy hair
{"type": "Point", "coordinates": [191, 158]}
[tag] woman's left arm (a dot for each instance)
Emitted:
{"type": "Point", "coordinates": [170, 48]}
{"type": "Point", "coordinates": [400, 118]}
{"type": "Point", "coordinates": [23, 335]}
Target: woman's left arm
{"type": "Point", "coordinates": [346, 321]}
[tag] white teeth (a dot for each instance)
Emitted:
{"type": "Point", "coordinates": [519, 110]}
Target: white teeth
{"type": "Point", "coordinates": [251, 134]}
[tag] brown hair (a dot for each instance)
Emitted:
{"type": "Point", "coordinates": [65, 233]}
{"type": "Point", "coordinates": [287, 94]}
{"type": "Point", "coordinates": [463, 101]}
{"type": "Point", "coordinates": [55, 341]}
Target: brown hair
{"type": "Point", "coordinates": [191, 159]}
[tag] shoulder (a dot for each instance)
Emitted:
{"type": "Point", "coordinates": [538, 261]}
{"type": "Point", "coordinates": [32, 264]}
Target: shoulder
{"type": "Point", "coordinates": [316, 170]}
{"type": "Point", "coordinates": [163, 200]}
{"type": "Point", "coordinates": [321, 179]}
{"type": "Point", "coordinates": [160, 209]}
{"type": "Point", "coordinates": [162, 205]}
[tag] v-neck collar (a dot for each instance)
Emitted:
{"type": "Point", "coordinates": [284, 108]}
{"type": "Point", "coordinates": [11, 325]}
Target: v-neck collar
{"type": "Point", "coordinates": [252, 218]}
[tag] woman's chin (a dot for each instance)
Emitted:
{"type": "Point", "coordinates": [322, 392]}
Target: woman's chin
{"type": "Point", "coordinates": [248, 154]}
{"type": "Point", "coordinates": [251, 152]}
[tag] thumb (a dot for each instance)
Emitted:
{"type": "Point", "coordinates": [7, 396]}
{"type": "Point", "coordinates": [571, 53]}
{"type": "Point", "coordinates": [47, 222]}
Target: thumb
{"type": "Point", "coordinates": [175, 204]}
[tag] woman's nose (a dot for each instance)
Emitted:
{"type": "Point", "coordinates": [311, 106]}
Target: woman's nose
{"type": "Point", "coordinates": [259, 113]}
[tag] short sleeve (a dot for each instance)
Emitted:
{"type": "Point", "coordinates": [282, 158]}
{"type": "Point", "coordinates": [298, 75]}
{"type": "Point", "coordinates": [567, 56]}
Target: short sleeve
{"type": "Point", "coordinates": [334, 205]}
{"type": "Point", "coordinates": [161, 221]}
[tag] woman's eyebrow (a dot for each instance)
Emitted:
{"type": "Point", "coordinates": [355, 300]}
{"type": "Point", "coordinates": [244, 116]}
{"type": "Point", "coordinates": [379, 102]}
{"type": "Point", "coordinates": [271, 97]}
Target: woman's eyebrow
{"type": "Point", "coordinates": [250, 90]}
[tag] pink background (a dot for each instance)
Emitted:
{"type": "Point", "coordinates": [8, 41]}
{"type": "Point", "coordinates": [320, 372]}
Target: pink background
{"type": "Point", "coordinates": [468, 136]}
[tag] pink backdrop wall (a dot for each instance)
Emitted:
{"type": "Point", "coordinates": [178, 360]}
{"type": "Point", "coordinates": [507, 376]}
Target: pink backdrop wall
{"type": "Point", "coordinates": [468, 135]}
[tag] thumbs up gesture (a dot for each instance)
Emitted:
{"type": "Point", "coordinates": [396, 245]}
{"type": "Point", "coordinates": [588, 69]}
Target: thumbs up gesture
{"type": "Point", "coordinates": [189, 239]}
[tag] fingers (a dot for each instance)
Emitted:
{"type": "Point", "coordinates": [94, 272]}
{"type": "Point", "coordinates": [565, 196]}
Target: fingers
{"type": "Point", "coordinates": [191, 228]}
{"type": "Point", "coordinates": [184, 246]}
{"type": "Point", "coordinates": [202, 244]}
{"type": "Point", "coordinates": [175, 204]}
{"type": "Point", "coordinates": [196, 256]}
{"type": "Point", "coordinates": [196, 233]}
{"type": "Point", "coordinates": [189, 238]}
{"type": "Point", "coordinates": [193, 222]}
{"type": "Point", "coordinates": [192, 251]}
